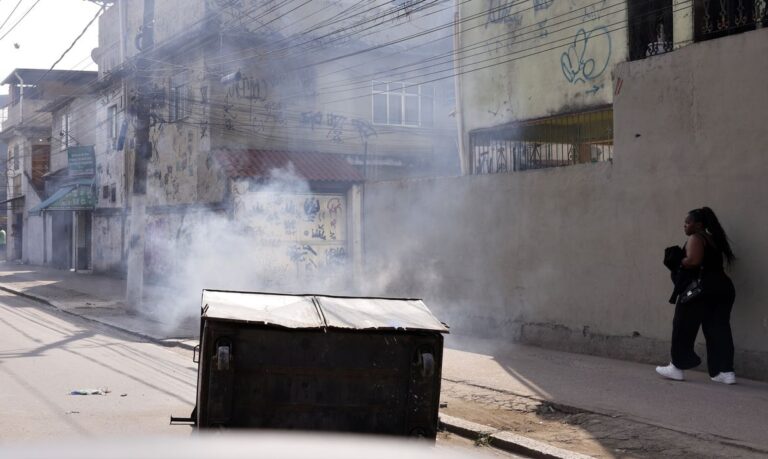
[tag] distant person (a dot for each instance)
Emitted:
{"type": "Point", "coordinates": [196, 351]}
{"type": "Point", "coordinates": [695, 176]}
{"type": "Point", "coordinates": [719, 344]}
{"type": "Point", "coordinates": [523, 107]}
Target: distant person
{"type": "Point", "coordinates": [703, 296]}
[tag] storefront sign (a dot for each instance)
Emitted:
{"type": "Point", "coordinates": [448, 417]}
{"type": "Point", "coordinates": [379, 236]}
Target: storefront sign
{"type": "Point", "coordinates": [82, 161]}
{"type": "Point", "coordinates": [79, 198]}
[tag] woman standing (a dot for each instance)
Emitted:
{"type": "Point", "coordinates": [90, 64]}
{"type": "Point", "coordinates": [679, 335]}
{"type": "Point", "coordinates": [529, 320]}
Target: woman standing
{"type": "Point", "coordinates": [704, 251]}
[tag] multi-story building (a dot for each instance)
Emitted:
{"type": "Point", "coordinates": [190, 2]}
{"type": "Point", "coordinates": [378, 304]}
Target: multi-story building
{"type": "Point", "coordinates": [27, 132]}
{"type": "Point", "coordinates": [4, 101]}
{"type": "Point", "coordinates": [245, 88]}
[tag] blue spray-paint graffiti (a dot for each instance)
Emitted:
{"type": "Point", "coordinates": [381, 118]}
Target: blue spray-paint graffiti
{"type": "Point", "coordinates": [500, 12]}
{"type": "Point", "coordinates": [539, 5]}
{"type": "Point", "coordinates": [595, 89]}
{"type": "Point", "coordinates": [588, 57]}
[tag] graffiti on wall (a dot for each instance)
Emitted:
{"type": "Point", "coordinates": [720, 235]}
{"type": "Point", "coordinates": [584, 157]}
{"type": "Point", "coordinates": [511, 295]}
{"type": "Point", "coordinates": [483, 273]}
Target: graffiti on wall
{"type": "Point", "coordinates": [587, 58]}
{"type": "Point", "coordinates": [249, 106]}
{"type": "Point", "coordinates": [248, 88]}
{"type": "Point", "coordinates": [502, 12]}
{"type": "Point", "coordinates": [304, 233]}
{"type": "Point", "coordinates": [336, 125]}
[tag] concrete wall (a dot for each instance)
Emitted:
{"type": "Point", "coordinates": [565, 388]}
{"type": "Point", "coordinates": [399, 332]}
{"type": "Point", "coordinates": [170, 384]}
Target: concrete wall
{"type": "Point", "coordinates": [528, 60]}
{"type": "Point", "coordinates": [109, 242]}
{"type": "Point", "coordinates": [571, 257]}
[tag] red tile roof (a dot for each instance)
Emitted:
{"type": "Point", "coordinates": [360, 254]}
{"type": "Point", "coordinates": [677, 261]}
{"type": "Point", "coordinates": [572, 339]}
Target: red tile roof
{"type": "Point", "coordinates": [311, 166]}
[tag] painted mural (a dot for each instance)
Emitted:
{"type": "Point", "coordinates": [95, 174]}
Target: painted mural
{"type": "Point", "coordinates": [301, 233]}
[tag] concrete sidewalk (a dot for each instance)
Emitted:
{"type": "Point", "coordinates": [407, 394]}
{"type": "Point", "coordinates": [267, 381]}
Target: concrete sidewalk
{"type": "Point", "coordinates": [95, 297]}
{"type": "Point", "coordinates": [731, 414]}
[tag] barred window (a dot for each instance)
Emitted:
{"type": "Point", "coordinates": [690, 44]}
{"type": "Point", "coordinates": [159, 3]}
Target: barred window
{"type": "Point", "coordinates": [178, 103]}
{"type": "Point", "coordinates": [718, 18]}
{"type": "Point", "coordinates": [556, 141]}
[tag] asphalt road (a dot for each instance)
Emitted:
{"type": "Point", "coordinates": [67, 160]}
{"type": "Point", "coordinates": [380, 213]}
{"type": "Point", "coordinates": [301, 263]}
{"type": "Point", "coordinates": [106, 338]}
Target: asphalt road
{"type": "Point", "coordinates": [46, 354]}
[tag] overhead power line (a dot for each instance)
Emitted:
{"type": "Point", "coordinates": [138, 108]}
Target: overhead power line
{"type": "Point", "coordinates": [11, 14]}
{"type": "Point", "coordinates": [96, 16]}
{"type": "Point", "coordinates": [20, 19]}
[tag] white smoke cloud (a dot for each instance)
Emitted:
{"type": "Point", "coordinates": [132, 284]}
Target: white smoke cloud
{"type": "Point", "coordinates": [218, 250]}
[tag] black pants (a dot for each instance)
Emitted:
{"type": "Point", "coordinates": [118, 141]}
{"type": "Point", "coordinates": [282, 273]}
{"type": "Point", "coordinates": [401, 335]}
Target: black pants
{"type": "Point", "coordinates": [712, 311]}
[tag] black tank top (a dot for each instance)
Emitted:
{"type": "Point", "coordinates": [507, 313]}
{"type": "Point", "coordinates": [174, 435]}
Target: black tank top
{"type": "Point", "coordinates": [713, 256]}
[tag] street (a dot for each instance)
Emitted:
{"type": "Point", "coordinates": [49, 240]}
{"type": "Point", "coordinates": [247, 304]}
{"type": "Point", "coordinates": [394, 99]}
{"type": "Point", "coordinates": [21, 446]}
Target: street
{"type": "Point", "coordinates": [46, 354]}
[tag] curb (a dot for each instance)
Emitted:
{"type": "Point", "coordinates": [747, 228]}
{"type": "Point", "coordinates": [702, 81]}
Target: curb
{"type": "Point", "coordinates": [505, 440]}
{"type": "Point", "coordinates": [163, 342]}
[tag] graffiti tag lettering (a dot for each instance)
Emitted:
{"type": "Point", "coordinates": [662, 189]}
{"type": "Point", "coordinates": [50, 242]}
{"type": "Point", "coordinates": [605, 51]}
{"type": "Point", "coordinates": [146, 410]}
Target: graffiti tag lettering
{"type": "Point", "coordinates": [312, 119]}
{"type": "Point", "coordinates": [335, 125]}
{"type": "Point", "coordinates": [500, 12]}
{"type": "Point", "coordinates": [588, 57]}
{"type": "Point", "coordinates": [249, 89]}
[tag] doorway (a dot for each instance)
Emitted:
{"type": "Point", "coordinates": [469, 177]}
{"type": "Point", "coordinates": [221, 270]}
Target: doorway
{"type": "Point", "coordinates": [84, 222]}
{"type": "Point", "coordinates": [61, 224]}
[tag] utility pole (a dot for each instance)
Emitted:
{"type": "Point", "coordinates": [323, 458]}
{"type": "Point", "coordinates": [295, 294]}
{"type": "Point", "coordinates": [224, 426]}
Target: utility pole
{"type": "Point", "coordinates": [143, 151]}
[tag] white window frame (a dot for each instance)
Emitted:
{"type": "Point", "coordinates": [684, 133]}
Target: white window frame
{"type": "Point", "coordinates": [420, 94]}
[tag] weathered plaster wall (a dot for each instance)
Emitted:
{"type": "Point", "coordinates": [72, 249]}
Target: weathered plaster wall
{"type": "Point", "coordinates": [537, 58]}
{"type": "Point", "coordinates": [109, 242]}
{"type": "Point", "coordinates": [181, 144]}
{"type": "Point", "coordinates": [33, 248]}
{"type": "Point", "coordinates": [110, 161]}
{"type": "Point", "coordinates": [571, 257]}
{"type": "Point", "coordinates": [83, 128]}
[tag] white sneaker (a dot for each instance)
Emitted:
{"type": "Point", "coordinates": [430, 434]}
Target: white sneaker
{"type": "Point", "coordinates": [670, 372]}
{"type": "Point", "coordinates": [725, 377]}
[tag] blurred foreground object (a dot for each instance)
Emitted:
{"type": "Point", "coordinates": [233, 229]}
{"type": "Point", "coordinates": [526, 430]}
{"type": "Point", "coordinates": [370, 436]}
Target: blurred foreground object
{"type": "Point", "coordinates": [236, 446]}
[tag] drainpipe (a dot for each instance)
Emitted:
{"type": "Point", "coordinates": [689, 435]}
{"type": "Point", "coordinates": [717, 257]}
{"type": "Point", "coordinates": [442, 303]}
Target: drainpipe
{"type": "Point", "coordinates": [463, 162]}
{"type": "Point", "coordinates": [121, 18]}
{"type": "Point", "coordinates": [45, 237]}
{"type": "Point", "coordinates": [21, 97]}
{"type": "Point", "coordinates": [75, 229]}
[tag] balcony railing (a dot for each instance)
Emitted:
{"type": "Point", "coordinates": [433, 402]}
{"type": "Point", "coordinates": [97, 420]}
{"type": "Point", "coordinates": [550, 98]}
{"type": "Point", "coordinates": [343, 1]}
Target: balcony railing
{"type": "Point", "coordinates": [718, 18]}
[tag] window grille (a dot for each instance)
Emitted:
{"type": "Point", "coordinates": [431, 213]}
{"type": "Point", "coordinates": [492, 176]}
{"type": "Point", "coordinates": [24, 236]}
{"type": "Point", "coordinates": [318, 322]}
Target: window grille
{"type": "Point", "coordinates": [543, 143]}
{"type": "Point", "coordinates": [718, 18]}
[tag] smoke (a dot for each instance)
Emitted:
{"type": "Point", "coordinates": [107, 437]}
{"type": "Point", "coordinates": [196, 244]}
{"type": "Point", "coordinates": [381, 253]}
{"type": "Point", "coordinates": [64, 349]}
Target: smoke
{"type": "Point", "coordinates": [276, 238]}
{"type": "Point", "coordinates": [309, 89]}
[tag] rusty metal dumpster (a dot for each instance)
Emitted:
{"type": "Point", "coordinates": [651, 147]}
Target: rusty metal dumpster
{"type": "Point", "coordinates": [308, 362]}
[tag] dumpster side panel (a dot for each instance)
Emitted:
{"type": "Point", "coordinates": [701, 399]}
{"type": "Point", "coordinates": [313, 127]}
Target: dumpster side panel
{"type": "Point", "coordinates": [352, 381]}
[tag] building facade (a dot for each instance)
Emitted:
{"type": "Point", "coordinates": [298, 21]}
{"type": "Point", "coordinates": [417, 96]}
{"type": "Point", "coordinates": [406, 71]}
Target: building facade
{"type": "Point", "coordinates": [32, 149]}
{"type": "Point", "coordinates": [235, 98]}
{"type": "Point", "coordinates": [570, 257]}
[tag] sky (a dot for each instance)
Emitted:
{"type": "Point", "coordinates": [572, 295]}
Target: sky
{"type": "Point", "coordinates": [47, 31]}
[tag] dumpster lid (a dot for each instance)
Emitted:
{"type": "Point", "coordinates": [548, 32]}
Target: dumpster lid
{"type": "Point", "coordinates": [381, 313]}
{"type": "Point", "coordinates": [282, 310]}
{"type": "Point", "coordinates": [314, 311]}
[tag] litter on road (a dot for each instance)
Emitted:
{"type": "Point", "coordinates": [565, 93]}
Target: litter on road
{"type": "Point", "coordinates": [102, 391]}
